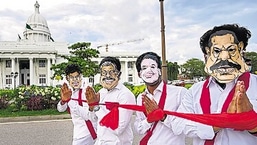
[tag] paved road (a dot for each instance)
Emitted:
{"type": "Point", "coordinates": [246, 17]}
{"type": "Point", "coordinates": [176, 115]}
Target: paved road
{"type": "Point", "coordinates": [48, 132]}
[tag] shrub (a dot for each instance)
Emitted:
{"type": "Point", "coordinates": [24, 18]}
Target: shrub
{"type": "Point", "coordinates": [3, 102]}
{"type": "Point", "coordinates": [30, 97]}
{"type": "Point", "coordinates": [188, 86]}
{"type": "Point", "coordinates": [136, 90]}
{"type": "Point", "coordinates": [36, 103]}
{"type": "Point", "coordinates": [97, 87]}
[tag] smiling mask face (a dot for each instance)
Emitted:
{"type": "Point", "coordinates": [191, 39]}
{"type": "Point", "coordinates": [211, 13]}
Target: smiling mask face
{"type": "Point", "coordinates": [109, 76]}
{"type": "Point", "coordinates": [224, 59]}
{"type": "Point", "coordinates": [150, 72]}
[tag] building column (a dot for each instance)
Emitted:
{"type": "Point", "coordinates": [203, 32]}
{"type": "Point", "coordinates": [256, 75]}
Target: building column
{"type": "Point", "coordinates": [54, 82]}
{"type": "Point", "coordinates": [1, 75]}
{"type": "Point", "coordinates": [48, 72]}
{"type": "Point", "coordinates": [13, 71]}
{"type": "Point", "coordinates": [135, 74]}
{"type": "Point", "coordinates": [126, 71]}
{"type": "Point", "coordinates": [31, 70]}
{"type": "Point", "coordinates": [17, 69]}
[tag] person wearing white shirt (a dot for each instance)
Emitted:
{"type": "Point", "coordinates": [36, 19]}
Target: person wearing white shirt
{"type": "Point", "coordinates": [149, 70]}
{"type": "Point", "coordinates": [230, 88]}
{"type": "Point", "coordinates": [73, 99]}
{"type": "Point", "coordinates": [115, 92]}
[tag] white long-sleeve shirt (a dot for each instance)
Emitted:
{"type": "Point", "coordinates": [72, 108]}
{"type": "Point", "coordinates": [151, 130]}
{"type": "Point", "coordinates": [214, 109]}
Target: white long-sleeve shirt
{"type": "Point", "coordinates": [123, 135]}
{"type": "Point", "coordinates": [200, 132]}
{"type": "Point", "coordinates": [163, 132]}
{"type": "Point", "coordinates": [78, 114]}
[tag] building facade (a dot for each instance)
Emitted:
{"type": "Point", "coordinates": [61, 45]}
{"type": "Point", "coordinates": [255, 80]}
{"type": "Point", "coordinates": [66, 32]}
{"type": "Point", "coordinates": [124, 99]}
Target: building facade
{"type": "Point", "coordinates": [28, 60]}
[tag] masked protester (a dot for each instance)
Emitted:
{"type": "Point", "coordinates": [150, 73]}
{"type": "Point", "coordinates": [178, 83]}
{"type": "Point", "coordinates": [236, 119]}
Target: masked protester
{"type": "Point", "coordinates": [158, 95]}
{"type": "Point", "coordinates": [230, 88]}
{"type": "Point", "coordinates": [113, 91]}
{"type": "Point", "coordinates": [73, 99]}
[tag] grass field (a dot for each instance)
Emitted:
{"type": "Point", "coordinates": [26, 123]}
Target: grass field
{"type": "Point", "coordinates": [7, 113]}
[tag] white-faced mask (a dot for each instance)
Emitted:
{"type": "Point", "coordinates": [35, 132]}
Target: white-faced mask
{"type": "Point", "coordinates": [150, 72]}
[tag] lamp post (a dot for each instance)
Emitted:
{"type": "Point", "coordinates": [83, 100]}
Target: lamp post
{"type": "Point", "coordinates": [14, 75]}
{"type": "Point", "coordinates": [164, 64]}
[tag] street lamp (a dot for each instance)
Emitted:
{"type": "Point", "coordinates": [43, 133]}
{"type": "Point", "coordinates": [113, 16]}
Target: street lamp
{"type": "Point", "coordinates": [14, 75]}
{"type": "Point", "coordinates": [164, 64]}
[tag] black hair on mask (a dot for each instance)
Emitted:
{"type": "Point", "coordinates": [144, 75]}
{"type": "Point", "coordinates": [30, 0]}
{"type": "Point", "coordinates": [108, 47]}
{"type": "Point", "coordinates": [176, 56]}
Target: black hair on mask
{"type": "Point", "coordinates": [241, 34]}
{"type": "Point", "coordinates": [146, 55]}
{"type": "Point", "coordinates": [71, 68]}
{"type": "Point", "coordinates": [113, 60]}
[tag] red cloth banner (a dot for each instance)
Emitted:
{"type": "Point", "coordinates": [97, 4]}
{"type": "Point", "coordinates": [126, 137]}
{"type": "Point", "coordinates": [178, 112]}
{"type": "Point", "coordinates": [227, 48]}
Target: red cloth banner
{"type": "Point", "coordinates": [240, 121]}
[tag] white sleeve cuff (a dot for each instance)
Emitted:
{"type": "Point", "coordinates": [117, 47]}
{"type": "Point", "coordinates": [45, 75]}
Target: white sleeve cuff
{"type": "Point", "coordinates": [92, 116]}
{"type": "Point", "coordinates": [205, 131]}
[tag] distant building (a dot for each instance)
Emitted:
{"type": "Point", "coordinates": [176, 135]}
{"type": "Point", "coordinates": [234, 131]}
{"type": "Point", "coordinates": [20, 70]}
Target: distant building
{"type": "Point", "coordinates": [27, 61]}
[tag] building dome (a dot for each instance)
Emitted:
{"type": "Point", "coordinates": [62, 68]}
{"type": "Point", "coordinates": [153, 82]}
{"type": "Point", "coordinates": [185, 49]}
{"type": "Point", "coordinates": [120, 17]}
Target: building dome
{"type": "Point", "coordinates": [36, 27]}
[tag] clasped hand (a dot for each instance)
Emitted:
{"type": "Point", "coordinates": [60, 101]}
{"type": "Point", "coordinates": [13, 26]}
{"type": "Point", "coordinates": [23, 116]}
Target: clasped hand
{"type": "Point", "coordinates": [154, 113]}
{"type": "Point", "coordinates": [240, 102]}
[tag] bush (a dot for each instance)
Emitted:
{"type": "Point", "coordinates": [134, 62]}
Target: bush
{"type": "Point", "coordinates": [188, 86]}
{"type": "Point", "coordinates": [3, 102]}
{"type": "Point", "coordinates": [30, 98]}
{"type": "Point", "coordinates": [97, 87]}
{"type": "Point", "coordinates": [40, 98]}
{"type": "Point", "coordinates": [36, 103]}
{"type": "Point", "coordinates": [136, 90]}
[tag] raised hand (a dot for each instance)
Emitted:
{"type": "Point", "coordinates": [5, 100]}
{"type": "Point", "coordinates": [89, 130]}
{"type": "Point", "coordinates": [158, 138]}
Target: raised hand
{"type": "Point", "coordinates": [65, 93]}
{"type": "Point", "coordinates": [92, 97]}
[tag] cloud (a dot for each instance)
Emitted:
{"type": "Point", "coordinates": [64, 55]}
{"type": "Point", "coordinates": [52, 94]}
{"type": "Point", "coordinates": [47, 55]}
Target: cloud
{"type": "Point", "coordinates": [122, 21]}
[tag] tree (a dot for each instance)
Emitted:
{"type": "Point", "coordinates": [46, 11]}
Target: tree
{"type": "Point", "coordinates": [172, 70]}
{"type": "Point", "coordinates": [193, 68]}
{"type": "Point", "coordinates": [253, 57]}
{"type": "Point", "coordinates": [81, 54]}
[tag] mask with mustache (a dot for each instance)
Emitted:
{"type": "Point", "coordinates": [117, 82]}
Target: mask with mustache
{"type": "Point", "coordinates": [224, 59]}
{"type": "Point", "coordinates": [109, 76]}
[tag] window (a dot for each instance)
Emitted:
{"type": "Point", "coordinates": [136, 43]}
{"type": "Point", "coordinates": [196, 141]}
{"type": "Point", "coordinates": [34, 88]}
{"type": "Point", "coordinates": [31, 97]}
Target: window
{"type": "Point", "coordinates": [42, 79]}
{"type": "Point", "coordinates": [130, 64]}
{"type": "Point", "coordinates": [8, 63]}
{"type": "Point", "coordinates": [91, 80]}
{"type": "Point", "coordinates": [130, 78]}
{"type": "Point", "coordinates": [42, 63]}
{"type": "Point", "coordinates": [8, 79]}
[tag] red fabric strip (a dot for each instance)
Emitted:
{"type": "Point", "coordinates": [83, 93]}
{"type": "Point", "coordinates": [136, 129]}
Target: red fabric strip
{"type": "Point", "coordinates": [205, 99]}
{"type": "Point", "coordinates": [91, 129]}
{"type": "Point", "coordinates": [88, 122]}
{"type": "Point", "coordinates": [78, 100]}
{"type": "Point", "coordinates": [161, 104]}
{"type": "Point", "coordinates": [238, 121]}
{"type": "Point", "coordinates": [205, 102]}
{"type": "Point", "coordinates": [245, 120]}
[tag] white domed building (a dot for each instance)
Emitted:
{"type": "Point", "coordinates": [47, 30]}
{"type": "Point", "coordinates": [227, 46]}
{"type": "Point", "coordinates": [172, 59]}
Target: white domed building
{"type": "Point", "coordinates": [28, 60]}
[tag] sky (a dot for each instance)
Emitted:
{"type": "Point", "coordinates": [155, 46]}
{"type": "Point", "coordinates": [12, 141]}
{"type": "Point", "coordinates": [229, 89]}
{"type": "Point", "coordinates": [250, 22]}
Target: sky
{"type": "Point", "coordinates": [132, 25]}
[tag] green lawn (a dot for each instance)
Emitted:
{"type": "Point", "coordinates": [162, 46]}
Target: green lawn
{"type": "Point", "coordinates": [8, 113]}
